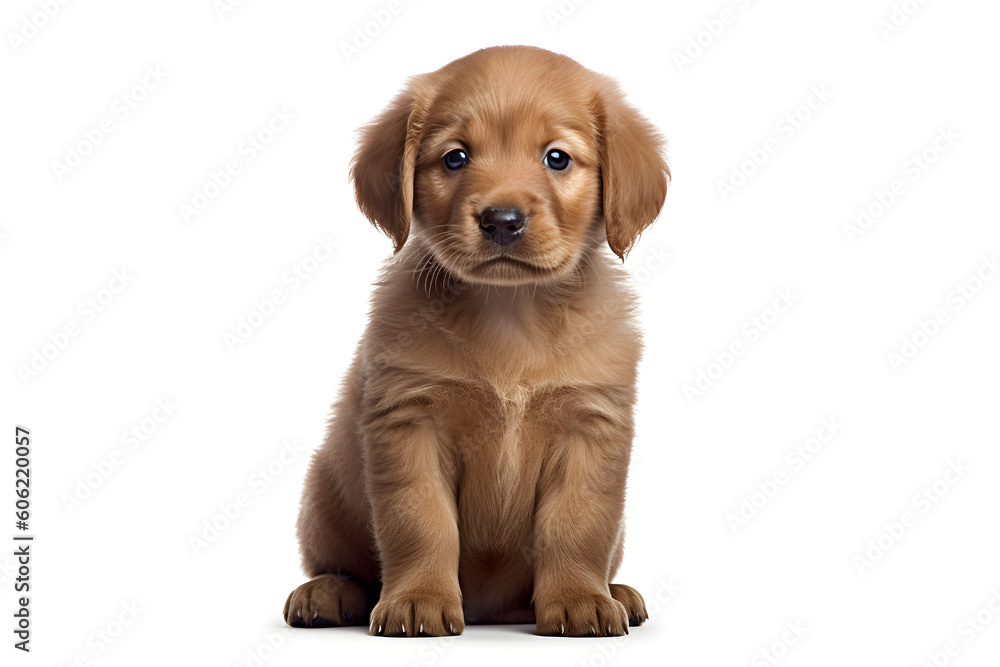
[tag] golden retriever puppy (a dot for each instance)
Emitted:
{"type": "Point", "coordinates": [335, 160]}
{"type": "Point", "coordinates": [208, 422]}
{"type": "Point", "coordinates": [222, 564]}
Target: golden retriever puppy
{"type": "Point", "coordinates": [475, 466]}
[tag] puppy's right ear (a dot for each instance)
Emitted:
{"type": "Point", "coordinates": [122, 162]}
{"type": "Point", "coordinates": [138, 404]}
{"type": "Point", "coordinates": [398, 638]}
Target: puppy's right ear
{"type": "Point", "coordinates": [383, 165]}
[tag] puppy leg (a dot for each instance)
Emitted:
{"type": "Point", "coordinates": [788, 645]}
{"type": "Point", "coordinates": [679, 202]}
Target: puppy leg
{"type": "Point", "coordinates": [326, 601]}
{"type": "Point", "coordinates": [630, 598]}
{"type": "Point", "coordinates": [336, 545]}
{"type": "Point", "coordinates": [577, 527]}
{"type": "Point", "coordinates": [634, 605]}
{"type": "Point", "coordinates": [415, 517]}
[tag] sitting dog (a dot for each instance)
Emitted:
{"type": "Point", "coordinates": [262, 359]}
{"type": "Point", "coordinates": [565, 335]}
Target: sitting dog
{"type": "Point", "coordinates": [474, 470]}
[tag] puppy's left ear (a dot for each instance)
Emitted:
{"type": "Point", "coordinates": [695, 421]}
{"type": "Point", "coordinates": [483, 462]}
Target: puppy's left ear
{"type": "Point", "coordinates": [634, 171]}
{"type": "Point", "coordinates": [383, 165]}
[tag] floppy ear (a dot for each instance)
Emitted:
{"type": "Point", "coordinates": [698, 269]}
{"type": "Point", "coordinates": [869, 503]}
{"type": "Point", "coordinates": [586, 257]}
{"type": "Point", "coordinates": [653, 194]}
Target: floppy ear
{"type": "Point", "coordinates": [383, 164]}
{"type": "Point", "coordinates": [634, 172]}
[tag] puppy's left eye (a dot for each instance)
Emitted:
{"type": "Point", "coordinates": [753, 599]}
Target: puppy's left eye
{"type": "Point", "coordinates": [557, 160]}
{"type": "Point", "coordinates": [456, 159]}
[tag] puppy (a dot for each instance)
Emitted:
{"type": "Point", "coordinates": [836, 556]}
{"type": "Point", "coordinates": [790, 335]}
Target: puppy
{"type": "Point", "coordinates": [474, 470]}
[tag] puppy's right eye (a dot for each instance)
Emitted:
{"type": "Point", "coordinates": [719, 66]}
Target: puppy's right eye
{"type": "Point", "coordinates": [456, 159]}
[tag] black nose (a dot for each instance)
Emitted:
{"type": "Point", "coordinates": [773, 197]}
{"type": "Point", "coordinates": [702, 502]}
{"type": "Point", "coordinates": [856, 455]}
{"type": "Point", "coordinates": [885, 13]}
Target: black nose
{"type": "Point", "coordinates": [502, 225]}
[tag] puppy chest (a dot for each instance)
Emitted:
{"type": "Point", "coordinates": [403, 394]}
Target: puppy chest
{"type": "Point", "coordinates": [499, 445]}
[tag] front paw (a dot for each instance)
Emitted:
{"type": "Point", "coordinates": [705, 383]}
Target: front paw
{"type": "Point", "coordinates": [581, 614]}
{"type": "Point", "coordinates": [409, 615]}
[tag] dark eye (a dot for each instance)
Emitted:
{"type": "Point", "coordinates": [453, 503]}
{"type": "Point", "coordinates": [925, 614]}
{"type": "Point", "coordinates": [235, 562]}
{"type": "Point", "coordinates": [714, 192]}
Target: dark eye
{"type": "Point", "coordinates": [557, 159]}
{"type": "Point", "coordinates": [456, 159]}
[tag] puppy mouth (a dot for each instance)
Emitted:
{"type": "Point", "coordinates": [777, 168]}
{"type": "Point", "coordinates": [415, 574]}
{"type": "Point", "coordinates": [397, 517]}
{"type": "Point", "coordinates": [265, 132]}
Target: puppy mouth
{"type": "Point", "coordinates": [498, 265]}
{"type": "Point", "coordinates": [514, 261]}
{"type": "Point", "coordinates": [508, 270]}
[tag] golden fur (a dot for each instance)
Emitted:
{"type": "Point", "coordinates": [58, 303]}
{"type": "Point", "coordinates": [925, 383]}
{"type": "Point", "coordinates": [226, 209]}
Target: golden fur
{"type": "Point", "coordinates": [474, 470]}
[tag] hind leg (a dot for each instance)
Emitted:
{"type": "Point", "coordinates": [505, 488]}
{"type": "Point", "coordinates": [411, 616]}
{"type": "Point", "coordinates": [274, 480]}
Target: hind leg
{"type": "Point", "coordinates": [327, 600]}
{"type": "Point", "coordinates": [634, 605]}
{"type": "Point", "coordinates": [336, 545]}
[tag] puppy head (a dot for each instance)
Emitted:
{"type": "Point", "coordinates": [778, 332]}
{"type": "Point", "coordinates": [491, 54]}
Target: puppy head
{"type": "Point", "coordinates": [511, 162]}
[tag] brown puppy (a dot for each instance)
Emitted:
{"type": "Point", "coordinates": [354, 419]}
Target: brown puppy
{"type": "Point", "coordinates": [475, 468]}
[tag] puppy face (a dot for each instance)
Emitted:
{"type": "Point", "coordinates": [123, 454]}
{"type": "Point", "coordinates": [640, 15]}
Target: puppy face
{"type": "Point", "coordinates": [512, 163]}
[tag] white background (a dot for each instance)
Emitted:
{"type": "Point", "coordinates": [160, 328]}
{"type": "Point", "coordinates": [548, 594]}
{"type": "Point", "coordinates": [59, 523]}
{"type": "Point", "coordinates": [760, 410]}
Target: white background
{"type": "Point", "coordinates": [725, 595]}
